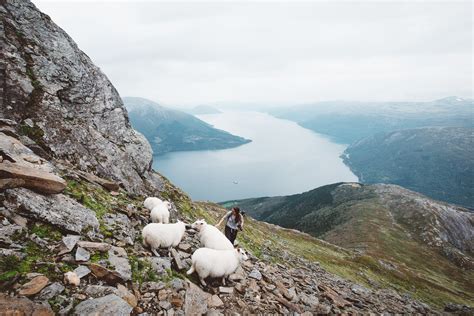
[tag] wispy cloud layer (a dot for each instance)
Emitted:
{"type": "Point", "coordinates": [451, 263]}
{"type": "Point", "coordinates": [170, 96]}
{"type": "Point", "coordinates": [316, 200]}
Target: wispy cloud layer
{"type": "Point", "coordinates": [191, 53]}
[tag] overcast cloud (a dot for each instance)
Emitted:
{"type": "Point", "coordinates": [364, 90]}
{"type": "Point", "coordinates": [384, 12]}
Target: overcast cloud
{"type": "Point", "coordinates": [182, 54]}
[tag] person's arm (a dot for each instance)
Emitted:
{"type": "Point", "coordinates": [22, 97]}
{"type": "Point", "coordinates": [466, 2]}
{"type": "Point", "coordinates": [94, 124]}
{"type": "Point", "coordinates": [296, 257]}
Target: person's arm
{"type": "Point", "coordinates": [223, 218]}
{"type": "Point", "coordinates": [241, 222]}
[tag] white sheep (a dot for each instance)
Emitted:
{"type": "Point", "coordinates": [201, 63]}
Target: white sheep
{"type": "Point", "coordinates": [211, 237]}
{"type": "Point", "coordinates": [151, 202]}
{"type": "Point", "coordinates": [160, 213]}
{"type": "Point", "coordinates": [216, 263]}
{"type": "Point", "coordinates": [157, 235]}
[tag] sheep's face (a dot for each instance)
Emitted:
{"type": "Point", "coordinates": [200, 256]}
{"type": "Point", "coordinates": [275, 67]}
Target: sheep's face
{"type": "Point", "coordinates": [242, 254]}
{"type": "Point", "coordinates": [199, 225]}
{"type": "Point", "coordinates": [168, 204]}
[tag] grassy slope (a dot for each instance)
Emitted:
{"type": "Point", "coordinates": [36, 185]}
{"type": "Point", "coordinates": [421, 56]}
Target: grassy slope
{"type": "Point", "coordinates": [418, 268]}
{"type": "Point", "coordinates": [366, 225]}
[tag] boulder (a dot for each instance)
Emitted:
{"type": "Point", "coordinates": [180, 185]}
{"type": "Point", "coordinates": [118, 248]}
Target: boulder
{"type": "Point", "coordinates": [195, 302]}
{"type": "Point", "coordinates": [120, 226]}
{"type": "Point", "coordinates": [184, 247]}
{"type": "Point", "coordinates": [82, 271]}
{"type": "Point", "coordinates": [31, 178]}
{"type": "Point", "coordinates": [214, 301]}
{"type": "Point", "coordinates": [107, 305]}
{"type": "Point", "coordinates": [34, 286]}
{"type": "Point", "coordinates": [152, 286]}
{"type": "Point", "coordinates": [94, 246]}
{"type": "Point", "coordinates": [255, 274]}
{"type": "Point", "coordinates": [109, 185]}
{"type": "Point", "coordinates": [125, 294]}
{"type": "Point", "coordinates": [119, 260]}
{"type": "Point", "coordinates": [68, 243]}
{"type": "Point", "coordinates": [71, 278]}
{"type": "Point", "coordinates": [57, 209]}
{"type": "Point", "coordinates": [226, 290]}
{"type": "Point", "coordinates": [110, 277]}
{"type": "Point", "coordinates": [96, 291]}
{"type": "Point", "coordinates": [177, 259]}
{"type": "Point", "coordinates": [51, 291]}
{"type": "Point", "coordinates": [22, 306]}
{"type": "Point", "coordinates": [82, 254]}
{"type": "Point", "coordinates": [159, 265]}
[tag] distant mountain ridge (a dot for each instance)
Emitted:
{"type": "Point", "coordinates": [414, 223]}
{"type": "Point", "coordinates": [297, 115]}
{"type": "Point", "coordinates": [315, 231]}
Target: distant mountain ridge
{"type": "Point", "coordinates": [170, 130]}
{"type": "Point", "coordinates": [203, 109]}
{"type": "Point", "coordinates": [348, 121]}
{"type": "Point", "coordinates": [404, 230]}
{"type": "Point", "coordinates": [434, 161]}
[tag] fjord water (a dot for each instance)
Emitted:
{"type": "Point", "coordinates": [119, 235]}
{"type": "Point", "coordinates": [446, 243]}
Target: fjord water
{"type": "Point", "coordinates": [283, 158]}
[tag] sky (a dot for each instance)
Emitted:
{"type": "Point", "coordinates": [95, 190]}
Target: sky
{"type": "Point", "coordinates": [275, 53]}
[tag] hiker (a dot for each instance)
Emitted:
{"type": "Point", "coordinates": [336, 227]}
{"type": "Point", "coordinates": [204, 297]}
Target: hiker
{"type": "Point", "coordinates": [234, 222]}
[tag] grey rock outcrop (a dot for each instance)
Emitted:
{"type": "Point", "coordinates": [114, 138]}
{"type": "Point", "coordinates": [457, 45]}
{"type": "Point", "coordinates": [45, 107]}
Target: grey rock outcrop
{"type": "Point", "coordinates": [65, 103]}
{"type": "Point", "coordinates": [57, 209]}
{"type": "Point", "coordinates": [21, 167]}
{"type": "Point", "coordinates": [107, 305]}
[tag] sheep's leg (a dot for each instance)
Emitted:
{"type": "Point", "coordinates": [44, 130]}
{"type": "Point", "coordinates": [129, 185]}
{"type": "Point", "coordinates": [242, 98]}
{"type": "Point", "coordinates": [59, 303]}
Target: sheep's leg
{"type": "Point", "coordinates": [223, 280]}
{"type": "Point", "coordinates": [191, 270]}
{"type": "Point", "coordinates": [202, 281]}
{"type": "Point", "coordinates": [155, 252]}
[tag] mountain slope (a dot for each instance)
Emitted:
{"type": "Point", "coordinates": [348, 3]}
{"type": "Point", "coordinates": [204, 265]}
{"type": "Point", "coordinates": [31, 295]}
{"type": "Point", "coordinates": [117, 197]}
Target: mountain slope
{"type": "Point", "coordinates": [433, 161]}
{"type": "Point", "coordinates": [346, 122]}
{"type": "Point", "coordinates": [86, 230]}
{"type": "Point", "coordinates": [402, 230]}
{"type": "Point", "coordinates": [203, 109]}
{"type": "Point", "coordinates": [171, 130]}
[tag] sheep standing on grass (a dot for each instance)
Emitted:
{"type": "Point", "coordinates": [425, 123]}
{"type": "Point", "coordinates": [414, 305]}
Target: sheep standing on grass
{"type": "Point", "coordinates": [160, 213]}
{"type": "Point", "coordinates": [216, 263]}
{"type": "Point", "coordinates": [151, 202]}
{"type": "Point", "coordinates": [211, 237]}
{"type": "Point", "coordinates": [157, 235]}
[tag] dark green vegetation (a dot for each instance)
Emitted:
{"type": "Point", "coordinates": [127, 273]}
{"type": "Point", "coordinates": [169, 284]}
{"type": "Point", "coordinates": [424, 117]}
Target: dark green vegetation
{"type": "Point", "coordinates": [171, 130]}
{"type": "Point", "coordinates": [37, 258]}
{"type": "Point", "coordinates": [399, 237]}
{"type": "Point", "coordinates": [346, 122]}
{"type": "Point", "coordinates": [437, 162]}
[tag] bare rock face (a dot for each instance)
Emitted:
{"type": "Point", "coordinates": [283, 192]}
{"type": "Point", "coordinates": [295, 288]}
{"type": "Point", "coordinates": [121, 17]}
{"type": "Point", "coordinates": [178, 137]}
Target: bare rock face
{"type": "Point", "coordinates": [20, 167]}
{"type": "Point", "coordinates": [107, 305]}
{"type": "Point", "coordinates": [64, 103]}
{"type": "Point", "coordinates": [57, 209]}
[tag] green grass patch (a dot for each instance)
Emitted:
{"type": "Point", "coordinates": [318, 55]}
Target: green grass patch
{"type": "Point", "coordinates": [46, 231]}
{"type": "Point", "coordinates": [142, 271]}
{"type": "Point", "coordinates": [35, 132]}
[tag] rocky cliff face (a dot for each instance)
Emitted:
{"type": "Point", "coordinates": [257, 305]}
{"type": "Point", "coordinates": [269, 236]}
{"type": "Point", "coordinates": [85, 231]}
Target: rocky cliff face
{"type": "Point", "coordinates": [64, 103]}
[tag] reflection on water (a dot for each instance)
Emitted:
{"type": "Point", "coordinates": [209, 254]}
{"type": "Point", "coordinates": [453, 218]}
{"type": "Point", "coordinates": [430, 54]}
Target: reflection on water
{"type": "Point", "coordinates": [283, 158]}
